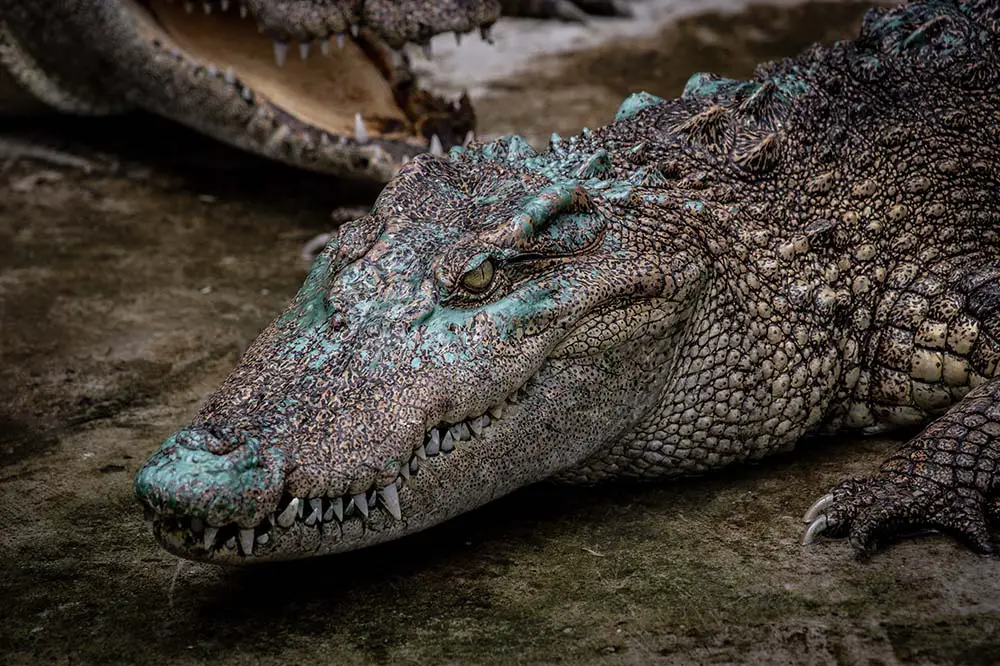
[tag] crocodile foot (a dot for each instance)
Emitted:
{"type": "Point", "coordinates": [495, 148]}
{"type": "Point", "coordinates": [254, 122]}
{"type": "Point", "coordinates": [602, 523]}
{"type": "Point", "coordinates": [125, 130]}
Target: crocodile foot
{"type": "Point", "coordinates": [944, 479]}
{"type": "Point", "coordinates": [883, 508]}
{"type": "Point", "coordinates": [566, 10]}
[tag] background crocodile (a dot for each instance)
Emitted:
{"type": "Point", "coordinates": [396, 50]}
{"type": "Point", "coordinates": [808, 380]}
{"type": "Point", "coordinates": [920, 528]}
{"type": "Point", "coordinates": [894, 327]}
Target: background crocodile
{"type": "Point", "coordinates": [345, 102]}
{"type": "Point", "coordinates": [704, 281]}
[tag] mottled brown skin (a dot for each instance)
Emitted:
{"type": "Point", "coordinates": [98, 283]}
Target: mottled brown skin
{"type": "Point", "coordinates": [704, 281]}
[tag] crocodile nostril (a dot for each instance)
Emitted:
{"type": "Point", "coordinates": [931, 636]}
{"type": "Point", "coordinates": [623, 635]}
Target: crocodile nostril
{"type": "Point", "coordinates": [198, 439]}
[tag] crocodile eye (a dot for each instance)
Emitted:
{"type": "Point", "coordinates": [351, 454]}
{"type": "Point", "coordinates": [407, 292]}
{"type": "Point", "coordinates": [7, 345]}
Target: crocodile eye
{"type": "Point", "coordinates": [479, 278]}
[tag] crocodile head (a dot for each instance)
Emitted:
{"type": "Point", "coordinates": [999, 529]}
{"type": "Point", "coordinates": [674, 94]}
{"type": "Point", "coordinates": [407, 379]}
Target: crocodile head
{"type": "Point", "coordinates": [491, 323]}
{"type": "Point", "coordinates": [319, 84]}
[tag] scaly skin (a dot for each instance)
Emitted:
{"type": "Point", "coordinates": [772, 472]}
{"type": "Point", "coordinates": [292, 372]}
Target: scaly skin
{"type": "Point", "coordinates": [702, 282]}
{"type": "Point", "coordinates": [210, 70]}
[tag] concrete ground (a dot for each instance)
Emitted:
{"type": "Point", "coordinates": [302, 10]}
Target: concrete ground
{"type": "Point", "coordinates": [128, 293]}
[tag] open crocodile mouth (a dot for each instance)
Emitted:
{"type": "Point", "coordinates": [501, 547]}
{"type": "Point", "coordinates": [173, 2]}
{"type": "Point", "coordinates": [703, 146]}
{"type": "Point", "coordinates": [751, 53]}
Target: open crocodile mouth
{"type": "Point", "coordinates": [332, 516]}
{"type": "Point", "coordinates": [346, 88]}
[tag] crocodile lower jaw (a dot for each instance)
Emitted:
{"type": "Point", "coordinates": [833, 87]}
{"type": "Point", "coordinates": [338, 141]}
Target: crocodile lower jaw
{"type": "Point", "coordinates": [334, 519]}
{"type": "Point", "coordinates": [349, 89]}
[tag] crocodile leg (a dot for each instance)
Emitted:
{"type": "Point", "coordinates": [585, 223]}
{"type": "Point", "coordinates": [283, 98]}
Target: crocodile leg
{"type": "Point", "coordinates": [944, 478]}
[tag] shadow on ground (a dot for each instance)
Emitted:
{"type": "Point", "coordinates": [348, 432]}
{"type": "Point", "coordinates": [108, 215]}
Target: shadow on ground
{"type": "Point", "coordinates": [127, 294]}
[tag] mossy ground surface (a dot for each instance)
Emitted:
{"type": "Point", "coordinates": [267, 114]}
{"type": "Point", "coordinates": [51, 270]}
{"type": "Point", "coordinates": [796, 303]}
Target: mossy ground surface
{"type": "Point", "coordinates": [127, 295]}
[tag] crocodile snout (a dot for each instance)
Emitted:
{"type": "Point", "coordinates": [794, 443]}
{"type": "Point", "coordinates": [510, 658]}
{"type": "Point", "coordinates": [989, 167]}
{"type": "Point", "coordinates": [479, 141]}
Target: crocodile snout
{"type": "Point", "coordinates": [199, 475]}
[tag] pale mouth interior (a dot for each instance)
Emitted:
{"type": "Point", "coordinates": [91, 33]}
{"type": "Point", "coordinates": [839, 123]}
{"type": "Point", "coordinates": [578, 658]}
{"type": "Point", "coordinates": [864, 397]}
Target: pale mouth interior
{"type": "Point", "coordinates": [323, 90]}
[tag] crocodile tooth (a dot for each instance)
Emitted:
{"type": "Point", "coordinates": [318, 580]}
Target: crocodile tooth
{"type": "Point", "coordinates": [231, 543]}
{"type": "Point", "coordinates": [246, 541]}
{"type": "Point", "coordinates": [304, 50]}
{"type": "Point", "coordinates": [340, 40]}
{"type": "Point", "coordinates": [338, 508]}
{"type": "Point", "coordinates": [436, 147]}
{"type": "Point", "coordinates": [263, 539]}
{"type": "Point", "coordinates": [278, 137]}
{"type": "Point", "coordinates": [316, 504]}
{"type": "Point", "coordinates": [476, 425]}
{"type": "Point", "coordinates": [398, 58]}
{"type": "Point", "coordinates": [496, 411]}
{"type": "Point", "coordinates": [448, 442]}
{"type": "Point", "coordinates": [324, 47]}
{"type": "Point", "coordinates": [328, 515]}
{"type": "Point", "coordinates": [470, 136]}
{"type": "Point", "coordinates": [230, 75]}
{"type": "Point", "coordinates": [434, 444]}
{"type": "Point", "coordinates": [287, 517]}
{"type": "Point", "coordinates": [463, 432]}
{"type": "Point", "coordinates": [197, 525]}
{"type": "Point", "coordinates": [390, 498]}
{"type": "Point", "coordinates": [280, 51]}
{"type": "Point", "coordinates": [420, 452]}
{"type": "Point", "coordinates": [360, 131]}
{"type": "Point", "coordinates": [361, 503]}
{"type": "Point", "coordinates": [404, 471]}
{"type": "Point", "coordinates": [355, 29]}
{"type": "Point", "coordinates": [209, 539]}
{"type": "Point", "coordinates": [415, 466]}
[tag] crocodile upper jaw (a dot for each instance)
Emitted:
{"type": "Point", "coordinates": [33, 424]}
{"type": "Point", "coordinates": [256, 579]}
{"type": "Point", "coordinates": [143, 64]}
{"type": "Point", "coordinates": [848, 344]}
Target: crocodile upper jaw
{"type": "Point", "coordinates": [350, 92]}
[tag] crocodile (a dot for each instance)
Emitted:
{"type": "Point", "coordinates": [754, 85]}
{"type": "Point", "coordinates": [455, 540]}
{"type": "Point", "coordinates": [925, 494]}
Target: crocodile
{"type": "Point", "coordinates": [705, 281]}
{"type": "Point", "coordinates": [347, 103]}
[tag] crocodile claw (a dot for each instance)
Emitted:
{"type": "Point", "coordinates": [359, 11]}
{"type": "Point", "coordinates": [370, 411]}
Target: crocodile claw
{"type": "Point", "coordinates": [818, 507]}
{"type": "Point", "coordinates": [872, 512]}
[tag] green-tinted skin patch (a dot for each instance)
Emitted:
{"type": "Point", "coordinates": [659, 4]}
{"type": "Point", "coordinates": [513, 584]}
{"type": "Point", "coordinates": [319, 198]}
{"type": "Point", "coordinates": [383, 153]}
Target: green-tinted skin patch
{"type": "Point", "coordinates": [181, 478]}
{"type": "Point", "coordinates": [635, 103]}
